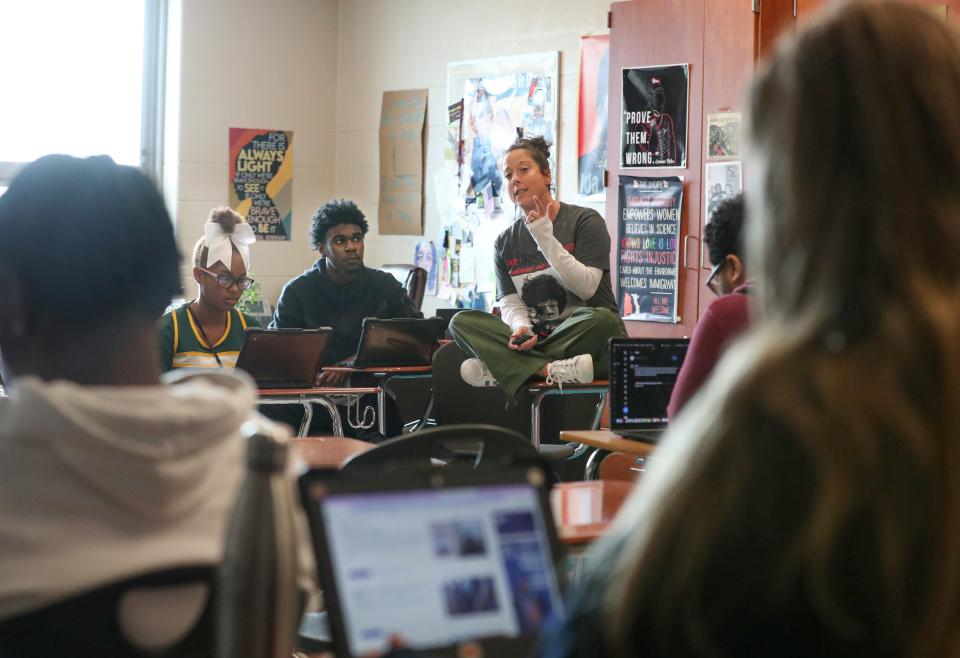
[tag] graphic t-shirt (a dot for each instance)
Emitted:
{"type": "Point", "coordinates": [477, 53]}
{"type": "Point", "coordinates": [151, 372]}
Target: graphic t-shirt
{"type": "Point", "coordinates": [522, 269]}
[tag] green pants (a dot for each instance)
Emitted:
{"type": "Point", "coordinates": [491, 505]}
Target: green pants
{"type": "Point", "coordinates": [586, 331]}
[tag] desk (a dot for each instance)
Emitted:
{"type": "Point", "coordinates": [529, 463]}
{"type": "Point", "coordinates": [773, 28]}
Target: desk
{"type": "Point", "coordinates": [327, 397]}
{"type": "Point", "coordinates": [583, 510]}
{"type": "Point", "coordinates": [605, 441]}
{"type": "Point", "coordinates": [385, 374]}
{"type": "Point", "coordinates": [327, 451]}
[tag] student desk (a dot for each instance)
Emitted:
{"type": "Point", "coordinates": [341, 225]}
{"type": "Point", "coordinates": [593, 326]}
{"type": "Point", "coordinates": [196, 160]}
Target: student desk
{"type": "Point", "coordinates": [384, 374]}
{"type": "Point", "coordinates": [604, 442]}
{"type": "Point", "coordinates": [326, 396]}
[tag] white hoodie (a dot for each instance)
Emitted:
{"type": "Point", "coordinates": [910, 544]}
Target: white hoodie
{"type": "Point", "coordinates": [101, 483]}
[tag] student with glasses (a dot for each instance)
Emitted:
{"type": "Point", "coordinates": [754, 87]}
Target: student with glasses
{"type": "Point", "coordinates": [727, 316]}
{"type": "Point", "coordinates": [207, 332]}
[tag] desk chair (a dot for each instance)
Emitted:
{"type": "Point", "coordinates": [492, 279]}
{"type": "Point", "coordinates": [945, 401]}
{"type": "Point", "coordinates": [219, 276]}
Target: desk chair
{"type": "Point", "coordinates": [412, 278]}
{"type": "Point", "coordinates": [162, 614]}
{"type": "Point", "coordinates": [467, 444]}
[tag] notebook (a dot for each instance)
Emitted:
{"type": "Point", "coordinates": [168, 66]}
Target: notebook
{"type": "Point", "coordinates": [449, 559]}
{"type": "Point", "coordinates": [283, 358]}
{"type": "Point", "coordinates": [396, 342]}
{"type": "Point", "coordinates": [642, 374]}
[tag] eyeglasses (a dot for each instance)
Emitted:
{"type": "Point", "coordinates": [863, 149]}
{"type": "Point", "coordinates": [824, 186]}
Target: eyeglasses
{"type": "Point", "coordinates": [225, 280]}
{"type": "Point", "coordinates": [712, 282]}
{"type": "Point", "coordinates": [341, 240]}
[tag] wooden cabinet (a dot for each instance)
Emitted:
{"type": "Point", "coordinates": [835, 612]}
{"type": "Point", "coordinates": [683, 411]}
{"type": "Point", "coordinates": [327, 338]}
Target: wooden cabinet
{"type": "Point", "coordinates": [721, 40]}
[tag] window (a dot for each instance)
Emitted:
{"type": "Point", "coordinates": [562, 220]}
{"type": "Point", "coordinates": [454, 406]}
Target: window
{"type": "Point", "coordinates": [82, 78]}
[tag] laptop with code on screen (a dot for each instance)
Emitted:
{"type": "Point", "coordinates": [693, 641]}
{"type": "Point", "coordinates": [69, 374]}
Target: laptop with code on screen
{"type": "Point", "coordinates": [642, 374]}
{"type": "Point", "coordinates": [457, 561]}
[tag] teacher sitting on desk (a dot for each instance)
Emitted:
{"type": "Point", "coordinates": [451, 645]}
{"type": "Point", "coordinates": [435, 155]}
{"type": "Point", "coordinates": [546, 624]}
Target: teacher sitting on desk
{"type": "Point", "coordinates": [208, 331]}
{"type": "Point", "coordinates": [553, 284]}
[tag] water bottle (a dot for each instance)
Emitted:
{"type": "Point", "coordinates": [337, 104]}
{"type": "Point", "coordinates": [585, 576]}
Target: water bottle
{"type": "Point", "coordinates": [257, 608]}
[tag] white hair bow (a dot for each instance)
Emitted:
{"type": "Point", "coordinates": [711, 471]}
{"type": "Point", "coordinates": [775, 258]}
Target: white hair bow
{"type": "Point", "coordinates": [220, 244]}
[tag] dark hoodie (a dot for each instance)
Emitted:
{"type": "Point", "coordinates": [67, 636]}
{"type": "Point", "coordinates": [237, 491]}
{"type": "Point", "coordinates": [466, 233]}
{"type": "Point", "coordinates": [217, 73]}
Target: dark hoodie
{"type": "Point", "coordinates": [313, 300]}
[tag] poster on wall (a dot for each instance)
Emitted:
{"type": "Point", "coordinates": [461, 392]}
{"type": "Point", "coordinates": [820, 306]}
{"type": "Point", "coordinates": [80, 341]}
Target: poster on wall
{"type": "Point", "coordinates": [723, 180]}
{"type": "Point", "coordinates": [425, 256]}
{"type": "Point", "coordinates": [723, 135]}
{"type": "Point", "coordinates": [648, 248]}
{"type": "Point", "coordinates": [653, 130]}
{"type": "Point", "coordinates": [401, 162]}
{"type": "Point", "coordinates": [501, 95]}
{"type": "Point", "coordinates": [453, 147]}
{"type": "Point", "coordinates": [261, 180]}
{"type": "Point", "coordinates": [592, 123]}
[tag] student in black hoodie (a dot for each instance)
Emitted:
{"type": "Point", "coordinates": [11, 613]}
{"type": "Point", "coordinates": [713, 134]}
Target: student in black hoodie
{"type": "Point", "coordinates": [339, 290]}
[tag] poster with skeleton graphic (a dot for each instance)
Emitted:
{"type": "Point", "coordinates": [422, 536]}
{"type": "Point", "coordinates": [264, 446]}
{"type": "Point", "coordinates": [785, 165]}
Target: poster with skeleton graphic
{"type": "Point", "coordinates": [653, 126]}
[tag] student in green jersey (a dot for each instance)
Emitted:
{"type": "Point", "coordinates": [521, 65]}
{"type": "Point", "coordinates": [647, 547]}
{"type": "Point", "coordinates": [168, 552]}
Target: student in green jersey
{"type": "Point", "coordinates": [208, 331]}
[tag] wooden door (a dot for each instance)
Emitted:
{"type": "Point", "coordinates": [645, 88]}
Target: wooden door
{"type": "Point", "coordinates": [731, 46]}
{"type": "Point", "coordinates": [806, 9]}
{"type": "Point", "coordinates": [659, 33]}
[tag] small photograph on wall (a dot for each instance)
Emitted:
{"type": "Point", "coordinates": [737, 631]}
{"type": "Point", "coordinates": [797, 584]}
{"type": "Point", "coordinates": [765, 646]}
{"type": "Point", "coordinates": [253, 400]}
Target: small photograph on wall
{"type": "Point", "coordinates": [592, 123]}
{"type": "Point", "coordinates": [653, 130]}
{"type": "Point", "coordinates": [723, 135]}
{"type": "Point", "coordinates": [724, 180]}
{"type": "Point", "coordinates": [261, 180]}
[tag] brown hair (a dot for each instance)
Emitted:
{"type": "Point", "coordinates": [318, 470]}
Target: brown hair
{"type": "Point", "coordinates": [537, 147]}
{"type": "Point", "coordinates": [227, 218]}
{"type": "Point", "coordinates": [843, 404]}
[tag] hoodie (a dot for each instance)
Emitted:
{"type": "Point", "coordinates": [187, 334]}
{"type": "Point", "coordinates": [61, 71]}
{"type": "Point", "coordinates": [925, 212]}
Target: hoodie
{"type": "Point", "coordinates": [313, 300]}
{"type": "Point", "coordinates": [102, 483]}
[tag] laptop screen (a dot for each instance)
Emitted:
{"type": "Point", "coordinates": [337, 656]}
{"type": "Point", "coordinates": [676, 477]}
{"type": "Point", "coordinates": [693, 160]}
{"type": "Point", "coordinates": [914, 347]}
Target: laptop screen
{"type": "Point", "coordinates": [440, 566]}
{"type": "Point", "coordinates": [642, 374]}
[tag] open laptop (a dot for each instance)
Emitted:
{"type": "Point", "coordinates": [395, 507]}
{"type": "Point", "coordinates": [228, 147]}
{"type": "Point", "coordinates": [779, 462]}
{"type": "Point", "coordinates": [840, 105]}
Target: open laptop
{"type": "Point", "coordinates": [283, 358]}
{"type": "Point", "coordinates": [446, 558]}
{"type": "Point", "coordinates": [396, 342]}
{"type": "Point", "coordinates": [642, 374]}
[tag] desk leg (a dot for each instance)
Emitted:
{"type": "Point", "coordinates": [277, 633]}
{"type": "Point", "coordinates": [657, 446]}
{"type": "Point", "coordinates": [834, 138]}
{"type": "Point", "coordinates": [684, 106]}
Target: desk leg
{"type": "Point", "coordinates": [598, 416]}
{"type": "Point", "coordinates": [535, 417]}
{"type": "Point", "coordinates": [592, 470]}
{"type": "Point", "coordinates": [336, 423]}
{"type": "Point", "coordinates": [381, 409]}
{"type": "Point", "coordinates": [307, 417]}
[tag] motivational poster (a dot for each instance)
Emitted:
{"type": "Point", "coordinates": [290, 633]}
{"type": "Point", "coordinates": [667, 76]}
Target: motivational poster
{"type": "Point", "coordinates": [648, 248]}
{"type": "Point", "coordinates": [261, 180]}
{"type": "Point", "coordinates": [653, 130]}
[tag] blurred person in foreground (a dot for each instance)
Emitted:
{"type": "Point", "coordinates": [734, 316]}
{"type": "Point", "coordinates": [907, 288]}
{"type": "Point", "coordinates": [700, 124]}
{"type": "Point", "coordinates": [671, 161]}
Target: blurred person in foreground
{"type": "Point", "coordinates": [808, 504]}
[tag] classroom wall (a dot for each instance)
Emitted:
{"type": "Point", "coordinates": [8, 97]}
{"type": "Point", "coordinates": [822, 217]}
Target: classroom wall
{"type": "Point", "coordinates": [319, 68]}
{"type": "Point", "coordinates": [250, 64]}
{"type": "Point", "coordinates": [391, 45]}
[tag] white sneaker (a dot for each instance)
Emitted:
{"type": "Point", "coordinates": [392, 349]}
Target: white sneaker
{"type": "Point", "coordinates": [475, 373]}
{"type": "Point", "coordinates": [578, 370]}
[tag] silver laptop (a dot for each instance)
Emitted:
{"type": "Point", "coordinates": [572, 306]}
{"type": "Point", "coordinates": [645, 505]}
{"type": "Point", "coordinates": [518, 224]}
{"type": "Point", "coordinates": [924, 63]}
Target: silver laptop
{"type": "Point", "coordinates": [458, 561]}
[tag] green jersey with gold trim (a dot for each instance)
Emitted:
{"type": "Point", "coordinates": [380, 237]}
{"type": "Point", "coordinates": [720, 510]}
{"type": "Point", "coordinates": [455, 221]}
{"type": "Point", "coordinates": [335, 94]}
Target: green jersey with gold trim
{"type": "Point", "coordinates": [182, 345]}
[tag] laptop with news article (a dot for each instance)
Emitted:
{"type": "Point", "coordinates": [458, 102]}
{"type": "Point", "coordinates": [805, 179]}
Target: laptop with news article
{"type": "Point", "coordinates": [396, 342]}
{"type": "Point", "coordinates": [457, 561]}
{"type": "Point", "coordinates": [643, 372]}
{"type": "Point", "coordinates": [283, 358]}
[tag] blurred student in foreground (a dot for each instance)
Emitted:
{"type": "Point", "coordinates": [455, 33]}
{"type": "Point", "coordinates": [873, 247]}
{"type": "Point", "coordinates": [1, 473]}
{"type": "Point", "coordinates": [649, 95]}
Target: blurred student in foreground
{"type": "Point", "coordinates": [105, 470]}
{"type": "Point", "coordinates": [808, 503]}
